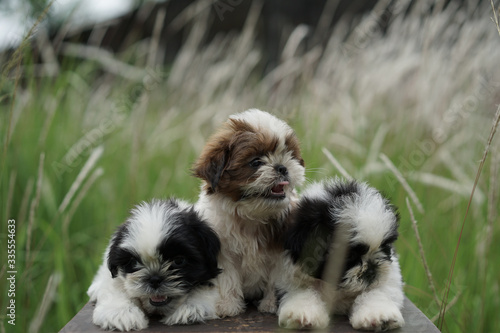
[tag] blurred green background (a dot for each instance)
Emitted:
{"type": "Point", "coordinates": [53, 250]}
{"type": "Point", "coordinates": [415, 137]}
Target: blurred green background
{"type": "Point", "coordinates": [98, 117]}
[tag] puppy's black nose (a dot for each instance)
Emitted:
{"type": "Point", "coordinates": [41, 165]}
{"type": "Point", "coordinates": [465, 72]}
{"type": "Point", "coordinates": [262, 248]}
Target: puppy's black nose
{"type": "Point", "coordinates": [281, 169]}
{"type": "Point", "coordinates": [155, 281]}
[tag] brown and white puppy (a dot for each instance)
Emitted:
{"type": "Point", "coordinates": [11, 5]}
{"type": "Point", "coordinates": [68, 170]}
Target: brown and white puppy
{"type": "Point", "coordinates": [249, 168]}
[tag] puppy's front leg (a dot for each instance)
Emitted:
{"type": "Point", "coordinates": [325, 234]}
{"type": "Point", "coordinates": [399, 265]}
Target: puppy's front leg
{"type": "Point", "coordinates": [303, 309]}
{"type": "Point", "coordinates": [268, 302]}
{"type": "Point", "coordinates": [380, 308]}
{"type": "Point", "coordinates": [231, 300]}
{"type": "Point", "coordinates": [113, 310]}
{"type": "Point", "coordinates": [375, 311]}
{"type": "Point", "coordinates": [199, 306]}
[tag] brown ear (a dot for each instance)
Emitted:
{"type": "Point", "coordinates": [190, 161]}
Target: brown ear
{"type": "Point", "coordinates": [216, 154]}
{"type": "Point", "coordinates": [211, 164]}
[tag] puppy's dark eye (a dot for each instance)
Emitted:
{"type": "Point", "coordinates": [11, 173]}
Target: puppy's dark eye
{"type": "Point", "coordinates": [131, 266]}
{"type": "Point", "coordinates": [355, 254]}
{"type": "Point", "coordinates": [179, 261]}
{"type": "Point", "coordinates": [386, 249]}
{"type": "Point", "coordinates": [359, 250]}
{"type": "Point", "coordinates": [256, 162]}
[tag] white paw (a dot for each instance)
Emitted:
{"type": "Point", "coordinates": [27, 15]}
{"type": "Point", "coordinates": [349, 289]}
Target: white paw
{"type": "Point", "coordinates": [124, 317]}
{"type": "Point", "coordinates": [377, 318]}
{"type": "Point", "coordinates": [189, 314]}
{"type": "Point", "coordinates": [303, 312]}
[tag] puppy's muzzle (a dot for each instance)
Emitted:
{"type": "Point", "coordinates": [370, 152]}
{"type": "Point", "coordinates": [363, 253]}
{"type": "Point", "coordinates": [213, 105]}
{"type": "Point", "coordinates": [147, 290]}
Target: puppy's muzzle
{"type": "Point", "coordinates": [155, 281]}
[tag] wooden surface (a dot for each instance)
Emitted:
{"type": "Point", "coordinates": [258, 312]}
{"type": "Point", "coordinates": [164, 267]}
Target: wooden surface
{"type": "Point", "coordinates": [251, 321]}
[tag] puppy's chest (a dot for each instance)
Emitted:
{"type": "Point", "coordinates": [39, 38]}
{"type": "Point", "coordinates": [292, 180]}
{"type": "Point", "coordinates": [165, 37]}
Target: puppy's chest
{"type": "Point", "coordinates": [255, 264]}
{"type": "Point", "coordinates": [253, 254]}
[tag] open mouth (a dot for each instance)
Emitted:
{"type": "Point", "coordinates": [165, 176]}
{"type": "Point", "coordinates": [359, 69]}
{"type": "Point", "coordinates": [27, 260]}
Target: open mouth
{"type": "Point", "coordinates": [278, 191]}
{"type": "Point", "coordinates": [159, 300]}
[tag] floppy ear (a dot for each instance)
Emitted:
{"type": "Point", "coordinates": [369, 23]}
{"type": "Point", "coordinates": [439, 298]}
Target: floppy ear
{"type": "Point", "coordinates": [215, 157]}
{"type": "Point", "coordinates": [211, 243]}
{"type": "Point", "coordinates": [112, 262]}
{"type": "Point", "coordinates": [115, 252]}
{"type": "Point", "coordinates": [211, 164]}
{"type": "Point", "coordinates": [207, 240]}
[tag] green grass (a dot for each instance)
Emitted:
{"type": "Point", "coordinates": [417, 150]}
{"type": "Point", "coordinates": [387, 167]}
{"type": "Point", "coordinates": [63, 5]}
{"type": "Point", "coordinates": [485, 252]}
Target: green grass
{"type": "Point", "coordinates": [150, 134]}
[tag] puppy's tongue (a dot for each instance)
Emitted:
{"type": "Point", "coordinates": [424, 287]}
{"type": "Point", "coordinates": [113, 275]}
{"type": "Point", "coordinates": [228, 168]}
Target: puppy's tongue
{"type": "Point", "coordinates": [158, 300]}
{"type": "Point", "coordinates": [279, 188]}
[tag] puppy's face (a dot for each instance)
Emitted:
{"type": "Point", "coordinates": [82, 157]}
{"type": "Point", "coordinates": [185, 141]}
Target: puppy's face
{"type": "Point", "coordinates": [253, 162]}
{"type": "Point", "coordinates": [374, 229]}
{"type": "Point", "coordinates": [366, 263]}
{"type": "Point", "coordinates": [161, 253]}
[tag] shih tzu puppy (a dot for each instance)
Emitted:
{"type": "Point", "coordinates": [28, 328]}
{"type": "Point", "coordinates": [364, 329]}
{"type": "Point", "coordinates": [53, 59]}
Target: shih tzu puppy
{"type": "Point", "coordinates": [249, 168]}
{"type": "Point", "coordinates": [160, 261]}
{"type": "Point", "coordinates": [341, 259]}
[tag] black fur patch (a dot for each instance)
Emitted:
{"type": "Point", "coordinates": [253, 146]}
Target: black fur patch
{"type": "Point", "coordinates": [314, 225]}
{"type": "Point", "coordinates": [197, 243]}
{"type": "Point", "coordinates": [354, 254]}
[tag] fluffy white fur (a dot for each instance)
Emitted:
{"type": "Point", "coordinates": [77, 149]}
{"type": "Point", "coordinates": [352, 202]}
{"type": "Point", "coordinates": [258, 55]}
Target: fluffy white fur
{"type": "Point", "coordinates": [122, 302]}
{"type": "Point", "coordinates": [369, 219]}
{"type": "Point", "coordinates": [249, 263]}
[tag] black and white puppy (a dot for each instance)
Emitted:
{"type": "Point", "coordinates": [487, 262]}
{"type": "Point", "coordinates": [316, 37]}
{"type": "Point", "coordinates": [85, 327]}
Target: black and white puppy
{"type": "Point", "coordinates": [160, 261]}
{"type": "Point", "coordinates": [342, 231]}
